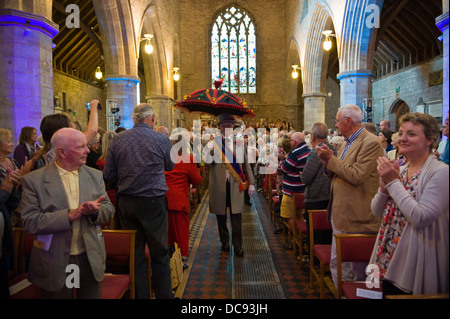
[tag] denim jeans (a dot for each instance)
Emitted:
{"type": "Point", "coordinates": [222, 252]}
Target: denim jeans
{"type": "Point", "coordinates": [148, 215]}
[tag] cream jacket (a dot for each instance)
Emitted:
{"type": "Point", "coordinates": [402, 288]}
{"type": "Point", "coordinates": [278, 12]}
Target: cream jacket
{"type": "Point", "coordinates": [420, 263]}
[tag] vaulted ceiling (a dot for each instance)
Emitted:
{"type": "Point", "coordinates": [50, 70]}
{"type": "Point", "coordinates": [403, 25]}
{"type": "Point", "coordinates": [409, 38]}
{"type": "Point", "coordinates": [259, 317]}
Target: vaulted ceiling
{"type": "Point", "coordinates": [407, 35]}
{"type": "Point", "coordinates": [77, 51]}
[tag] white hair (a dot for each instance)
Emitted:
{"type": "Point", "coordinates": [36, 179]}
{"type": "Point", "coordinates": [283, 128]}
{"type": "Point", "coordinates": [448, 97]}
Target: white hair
{"type": "Point", "coordinates": [352, 111]}
{"type": "Point", "coordinates": [142, 111]}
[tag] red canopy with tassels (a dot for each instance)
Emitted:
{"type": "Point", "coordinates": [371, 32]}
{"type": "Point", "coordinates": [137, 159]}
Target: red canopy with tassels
{"type": "Point", "coordinates": [215, 101]}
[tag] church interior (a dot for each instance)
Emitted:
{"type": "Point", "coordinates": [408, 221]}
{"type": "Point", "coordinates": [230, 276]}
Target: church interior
{"type": "Point", "coordinates": [288, 60]}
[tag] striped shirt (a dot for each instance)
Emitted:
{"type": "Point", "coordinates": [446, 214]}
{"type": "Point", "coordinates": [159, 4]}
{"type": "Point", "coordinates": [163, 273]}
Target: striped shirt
{"type": "Point", "coordinates": [292, 168]}
{"type": "Point", "coordinates": [350, 140]}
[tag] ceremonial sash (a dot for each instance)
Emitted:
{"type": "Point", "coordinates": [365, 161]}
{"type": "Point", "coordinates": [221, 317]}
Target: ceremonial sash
{"type": "Point", "coordinates": [233, 167]}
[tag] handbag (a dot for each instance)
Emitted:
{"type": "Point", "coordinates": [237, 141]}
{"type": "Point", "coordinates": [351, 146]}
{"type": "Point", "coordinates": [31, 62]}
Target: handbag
{"type": "Point", "coordinates": [176, 267]}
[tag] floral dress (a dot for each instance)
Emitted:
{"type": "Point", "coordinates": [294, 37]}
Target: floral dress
{"type": "Point", "coordinates": [393, 224]}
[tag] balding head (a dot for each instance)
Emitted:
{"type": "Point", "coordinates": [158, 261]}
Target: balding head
{"type": "Point", "coordinates": [70, 147]}
{"type": "Point", "coordinates": [297, 138]}
{"type": "Point", "coordinates": [163, 130]}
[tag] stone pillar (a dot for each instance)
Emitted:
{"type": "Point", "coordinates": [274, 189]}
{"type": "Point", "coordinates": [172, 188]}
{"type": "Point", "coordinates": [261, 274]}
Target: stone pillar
{"type": "Point", "coordinates": [355, 86]}
{"type": "Point", "coordinates": [314, 109]}
{"type": "Point", "coordinates": [124, 90]}
{"type": "Point", "coordinates": [163, 107]}
{"type": "Point", "coordinates": [442, 24]}
{"type": "Point", "coordinates": [26, 69]}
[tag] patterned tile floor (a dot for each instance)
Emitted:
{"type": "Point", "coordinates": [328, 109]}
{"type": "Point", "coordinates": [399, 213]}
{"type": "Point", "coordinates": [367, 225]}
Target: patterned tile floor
{"type": "Point", "coordinates": [211, 270]}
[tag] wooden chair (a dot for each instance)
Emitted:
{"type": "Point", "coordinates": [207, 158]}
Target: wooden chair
{"type": "Point", "coordinates": [19, 286]}
{"type": "Point", "coordinates": [273, 199]}
{"type": "Point", "coordinates": [353, 248]}
{"type": "Point", "coordinates": [293, 234]}
{"type": "Point", "coordinates": [15, 263]}
{"type": "Point", "coordinates": [436, 296]}
{"type": "Point", "coordinates": [318, 220]}
{"type": "Point", "coordinates": [119, 243]}
{"type": "Point", "coordinates": [193, 200]}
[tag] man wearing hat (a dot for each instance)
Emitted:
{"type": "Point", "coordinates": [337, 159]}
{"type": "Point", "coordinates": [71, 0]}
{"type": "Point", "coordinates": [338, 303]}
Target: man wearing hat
{"type": "Point", "coordinates": [229, 179]}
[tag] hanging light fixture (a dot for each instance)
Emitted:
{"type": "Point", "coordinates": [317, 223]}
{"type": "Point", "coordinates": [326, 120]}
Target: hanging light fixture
{"type": "Point", "coordinates": [294, 71]}
{"type": "Point", "coordinates": [327, 43]}
{"type": "Point", "coordinates": [176, 75]}
{"type": "Point", "coordinates": [98, 73]}
{"type": "Point", "coordinates": [148, 47]}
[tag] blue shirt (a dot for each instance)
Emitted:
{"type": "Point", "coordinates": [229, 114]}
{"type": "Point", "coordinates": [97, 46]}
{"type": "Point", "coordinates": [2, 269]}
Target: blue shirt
{"type": "Point", "coordinates": [350, 140]}
{"type": "Point", "coordinates": [292, 168]}
{"type": "Point", "coordinates": [136, 161]}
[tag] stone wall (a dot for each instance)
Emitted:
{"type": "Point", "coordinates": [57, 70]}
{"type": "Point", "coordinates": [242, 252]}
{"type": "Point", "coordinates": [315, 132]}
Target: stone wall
{"type": "Point", "coordinates": [413, 85]}
{"type": "Point", "coordinates": [270, 22]}
{"type": "Point", "coordinates": [77, 93]}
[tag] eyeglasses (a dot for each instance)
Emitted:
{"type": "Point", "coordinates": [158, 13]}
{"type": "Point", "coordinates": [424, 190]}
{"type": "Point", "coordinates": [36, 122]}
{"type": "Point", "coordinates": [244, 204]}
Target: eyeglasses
{"type": "Point", "coordinates": [337, 121]}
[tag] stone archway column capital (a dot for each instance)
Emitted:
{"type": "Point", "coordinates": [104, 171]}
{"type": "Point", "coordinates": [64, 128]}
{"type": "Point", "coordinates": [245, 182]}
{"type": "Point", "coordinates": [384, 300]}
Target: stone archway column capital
{"type": "Point", "coordinates": [355, 73]}
{"type": "Point", "coordinates": [11, 17]}
{"type": "Point", "coordinates": [314, 95]}
{"type": "Point", "coordinates": [123, 78]}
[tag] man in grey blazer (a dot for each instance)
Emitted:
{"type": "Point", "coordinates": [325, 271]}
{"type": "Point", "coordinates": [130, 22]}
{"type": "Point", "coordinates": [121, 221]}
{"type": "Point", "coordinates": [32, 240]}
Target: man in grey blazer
{"type": "Point", "coordinates": [226, 193]}
{"type": "Point", "coordinates": [63, 205]}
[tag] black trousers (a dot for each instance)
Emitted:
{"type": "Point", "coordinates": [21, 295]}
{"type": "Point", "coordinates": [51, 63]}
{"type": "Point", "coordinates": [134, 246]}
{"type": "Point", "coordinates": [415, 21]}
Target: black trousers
{"type": "Point", "coordinates": [236, 224]}
{"type": "Point", "coordinates": [149, 217]}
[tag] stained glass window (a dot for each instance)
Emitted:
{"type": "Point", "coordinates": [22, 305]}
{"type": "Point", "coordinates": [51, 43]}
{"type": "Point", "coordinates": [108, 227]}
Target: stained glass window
{"type": "Point", "coordinates": [233, 51]}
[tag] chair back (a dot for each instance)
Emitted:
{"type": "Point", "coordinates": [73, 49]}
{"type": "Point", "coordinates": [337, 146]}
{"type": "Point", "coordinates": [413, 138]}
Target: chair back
{"type": "Point", "coordinates": [121, 243]}
{"type": "Point", "coordinates": [355, 247]}
{"type": "Point", "coordinates": [318, 220]}
{"type": "Point", "coordinates": [299, 200]}
{"type": "Point", "coordinates": [352, 248]}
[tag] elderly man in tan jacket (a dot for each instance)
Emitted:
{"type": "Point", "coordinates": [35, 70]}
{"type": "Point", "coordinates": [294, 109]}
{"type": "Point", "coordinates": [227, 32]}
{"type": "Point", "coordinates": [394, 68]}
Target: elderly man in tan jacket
{"type": "Point", "coordinates": [354, 182]}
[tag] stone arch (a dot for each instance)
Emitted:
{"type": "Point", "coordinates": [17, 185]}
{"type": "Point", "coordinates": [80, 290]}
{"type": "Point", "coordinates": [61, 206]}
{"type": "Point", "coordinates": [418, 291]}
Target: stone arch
{"type": "Point", "coordinates": [397, 109]}
{"type": "Point", "coordinates": [155, 64]}
{"type": "Point", "coordinates": [294, 87]}
{"type": "Point", "coordinates": [315, 62]}
{"type": "Point", "coordinates": [118, 38]}
{"type": "Point", "coordinates": [314, 57]}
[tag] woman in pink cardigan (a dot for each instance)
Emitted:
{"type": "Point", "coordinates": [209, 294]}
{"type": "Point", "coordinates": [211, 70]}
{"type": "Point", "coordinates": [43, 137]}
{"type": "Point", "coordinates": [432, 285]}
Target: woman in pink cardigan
{"type": "Point", "coordinates": [411, 250]}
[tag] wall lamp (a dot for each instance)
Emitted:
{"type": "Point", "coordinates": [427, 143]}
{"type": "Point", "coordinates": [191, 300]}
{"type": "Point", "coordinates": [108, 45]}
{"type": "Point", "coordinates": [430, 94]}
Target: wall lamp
{"type": "Point", "coordinates": [294, 73]}
{"type": "Point", "coordinates": [148, 46]}
{"type": "Point", "coordinates": [176, 75]}
{"type": "Point", "coordinates": [327, 42]}
{"type": "Point", "coordinates": [98, 73]}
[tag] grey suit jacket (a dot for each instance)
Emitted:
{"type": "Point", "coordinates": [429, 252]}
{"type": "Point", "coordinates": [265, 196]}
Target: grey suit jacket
{"type": "Point", "coordinates": [44, 211]}
{"type": "Point", "coordinates": [217, 187]}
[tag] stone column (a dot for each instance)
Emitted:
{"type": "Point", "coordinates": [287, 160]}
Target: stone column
{"type": "Point", "coordinates": [314, 109]}
{"type": "Point", "coordinates": [442, 24]}
{"type": "Point", "coordinates": [355, 86]}
{"type": "Point", "coordinates": [124, 90]}
{"type": "Point", "coordinates": [26, 69]}
{"type": "Point", "coordinates": [163, 107]}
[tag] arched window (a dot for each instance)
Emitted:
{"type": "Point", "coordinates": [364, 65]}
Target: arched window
{"type": "Point", "coordinates": [233, 51]}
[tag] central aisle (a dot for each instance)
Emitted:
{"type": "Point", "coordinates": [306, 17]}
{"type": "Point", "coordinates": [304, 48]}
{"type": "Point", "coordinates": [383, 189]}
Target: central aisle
{"type": "Point", "coordinates": [267, 270]}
